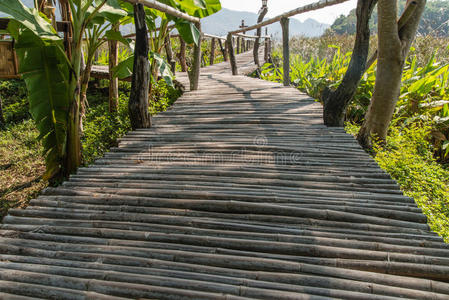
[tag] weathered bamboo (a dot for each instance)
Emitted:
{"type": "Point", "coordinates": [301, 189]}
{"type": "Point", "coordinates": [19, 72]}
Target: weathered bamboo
{"type": "Point", "coordinates": [232, 58]}
{"type": "Point", "coordinates": [238, 46]}
{"type": "Point", "coordinates": [212, 51]}
{"type": "Point", "coordinates": [182, 55]}
{"type": "Point", "coordinates": [310, 7]}
{"type": "Point", "coordinates": [169, 53]}
{"type": "Point", "coordinates": [194, 73]}
{"type": "Point", "coordinates": [138, 99]}
{"type": "Point", "coordinates": [113, 80]}
{"type": "Point", "coordinates": [286, 50]}
{"type": "Point", "coordinates": [166, 9]}
{"type": "Point", "coordinates": [223, 49]}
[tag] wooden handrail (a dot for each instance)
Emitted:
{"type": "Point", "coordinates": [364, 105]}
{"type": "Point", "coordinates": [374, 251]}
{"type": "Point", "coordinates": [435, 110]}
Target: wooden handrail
{"type": "Point", "coordinates": [300, 10]}
{"type": "Point", "coordinates": [166, 9]}
{"type": "Point", "coordinates": [207, 35]}
{"type": "Point", "coordinates": [61, 26]}
{"type": "Point", "coordinates": [252, 36]}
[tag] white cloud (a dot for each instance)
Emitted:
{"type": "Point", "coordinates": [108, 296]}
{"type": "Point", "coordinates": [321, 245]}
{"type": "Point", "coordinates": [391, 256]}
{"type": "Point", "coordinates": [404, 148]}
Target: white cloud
{"type": "Point", "coordinates": [276, 7]}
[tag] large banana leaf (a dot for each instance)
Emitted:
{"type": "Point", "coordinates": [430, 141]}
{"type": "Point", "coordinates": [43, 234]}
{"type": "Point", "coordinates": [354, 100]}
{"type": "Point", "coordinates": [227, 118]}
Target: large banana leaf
{"type": "Point", "coordinates": [125, 68]}
{"type": "Point", "coordinates": [45, 72]}
{"type": "Point", "coordinates": [29, 18]}
{"type": "Point", "coordinates": [199, 8]}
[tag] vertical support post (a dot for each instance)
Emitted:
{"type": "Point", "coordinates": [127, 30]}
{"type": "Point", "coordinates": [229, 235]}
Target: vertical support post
{"type": "Point", "coordinates": [113, 81]}
{"type": "Point", "coordinates": [243, 47]}
{"type": "Point", "coordinates": [286, 50]}
{"type": "Point", "coordinates": [182, 55]}
{"type": "Point", "coordinates": [238, 45]}
{"type": "Point", "coordinates": [223, 49]}
{"type": "Point", "coordinates": [232, 54]}
{"type": "Point", "coordinates": [265, 53]}
{"type": "Point", "coordinates": [138, 99]}
{"type": "Point", "coordinates": [212, 51]}
{"type": "Point", "coordinates": [169, 52]}
{"type": "Point", "coordinates": [194, 74]}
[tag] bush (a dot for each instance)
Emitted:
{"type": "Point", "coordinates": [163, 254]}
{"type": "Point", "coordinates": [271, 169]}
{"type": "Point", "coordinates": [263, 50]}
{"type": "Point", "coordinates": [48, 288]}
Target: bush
{"type": "Point", "coordinates": [15, 103]}
{"type": "Point", "coordinates": [408, 158]}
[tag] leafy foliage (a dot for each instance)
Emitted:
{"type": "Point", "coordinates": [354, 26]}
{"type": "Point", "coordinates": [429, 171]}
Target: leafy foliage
{"type": "Point", "coordinates": [435, 20]}
{"type": "Point", "coordinates": [417, 148]}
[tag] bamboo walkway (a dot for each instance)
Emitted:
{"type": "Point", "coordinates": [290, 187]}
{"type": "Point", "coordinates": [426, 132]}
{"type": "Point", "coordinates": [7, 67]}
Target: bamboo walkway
{"type": "Point", "coordinates": [237, 192]}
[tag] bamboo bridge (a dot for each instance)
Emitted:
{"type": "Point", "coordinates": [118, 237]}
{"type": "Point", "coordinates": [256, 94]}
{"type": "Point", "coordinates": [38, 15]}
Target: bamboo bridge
{"type": "Point", "coordinates": [238, 191]}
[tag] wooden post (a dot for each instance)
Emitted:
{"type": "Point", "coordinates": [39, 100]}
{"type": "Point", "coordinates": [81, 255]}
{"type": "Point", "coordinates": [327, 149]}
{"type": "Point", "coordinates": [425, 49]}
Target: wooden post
{"type": "Point", "coordinates": [194, 74]}
{"type": "Point", "coordinates": [212, 51]}
{"type": "Point", "coordinates": [231, 54]}
{"type": "Point", "coordinates": [182, 54]}
{"type": "Point", "coordinates": [238, 45]}
{"type": "Point", "coordinates": [265, 53]}
{"type": "Point", "coordinates": [138, 100]}
{"type": "Point", "coordinates": [243, 47]}
{"type": "Point", "coordinates": [113, 81]}
{"type": "Point", "coordinates": [169, 53]}
{"type": "Point", "coordinates": [286, 50]}
{"type": "Point", "coordinates": [223, 49]}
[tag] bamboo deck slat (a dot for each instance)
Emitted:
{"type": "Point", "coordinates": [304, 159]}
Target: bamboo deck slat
{"type": "Point", "coordinates": [237, 192]}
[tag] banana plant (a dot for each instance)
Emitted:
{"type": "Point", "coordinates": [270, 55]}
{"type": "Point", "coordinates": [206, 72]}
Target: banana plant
{"type": "Point", "coordinates": [187, 30]}
{"type": "Point", "coordinates": [53, 77]}
{"type": "Point", "coordinates": [102, 27]}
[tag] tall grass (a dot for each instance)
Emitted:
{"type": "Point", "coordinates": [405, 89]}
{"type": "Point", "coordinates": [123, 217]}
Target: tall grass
{"type": "Point", "coordinates": [417, 149]}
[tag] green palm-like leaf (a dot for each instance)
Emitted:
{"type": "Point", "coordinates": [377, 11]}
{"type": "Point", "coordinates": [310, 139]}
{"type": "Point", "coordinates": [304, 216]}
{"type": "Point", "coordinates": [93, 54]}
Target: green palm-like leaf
{"type": "Point", "coordinates": [45, 72]}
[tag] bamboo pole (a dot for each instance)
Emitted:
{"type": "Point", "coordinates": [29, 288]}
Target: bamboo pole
{"type": "Point", "coordinates": [169, 53]}
{"type": "Point", "coordinates": [286, 50]}
{"type": "Point", "coordinates": [300, 10]}
{"type": "Point", "coordinates": [223, 49]}
{"type": "Point", "coordinates": [166, 9]}
{"type": "Point", "coordinates": [212, 51]}
{"type": "Point", "coordinates": [138, 99]}
{"type": "Point", "coordinates": [232, 58]}
{"type": "Point", "coordinates": [182, 55]}
{"type": "Point", "coordinates": [113, 80]}
{"type": "Point", "coordinates": [194, 74]}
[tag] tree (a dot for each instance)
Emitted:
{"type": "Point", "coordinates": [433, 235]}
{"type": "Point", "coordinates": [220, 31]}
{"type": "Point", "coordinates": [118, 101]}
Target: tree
{"type": "Point", "coordinates": [262, 15]}
{"type": "Point", "coordinates": [393, 47]}
{"type": "Point", "coordinates": [336, 102]}
{"type": "Point", "coordinates": [52, 75]}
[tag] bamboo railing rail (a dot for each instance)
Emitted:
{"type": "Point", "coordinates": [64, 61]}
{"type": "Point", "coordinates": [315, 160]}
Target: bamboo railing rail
{"type": "Point", "coordinates": [283, 18]}
{"type": "Point", "coordinates": [166, 9]}
{"type": "Point", "coordinates": [300, 10]}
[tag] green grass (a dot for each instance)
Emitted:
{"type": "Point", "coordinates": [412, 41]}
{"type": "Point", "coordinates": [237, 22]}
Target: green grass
{"type": "Point", "coordinates": [416, 154]}
{"type": "Point", "coordinates": [21, 160]}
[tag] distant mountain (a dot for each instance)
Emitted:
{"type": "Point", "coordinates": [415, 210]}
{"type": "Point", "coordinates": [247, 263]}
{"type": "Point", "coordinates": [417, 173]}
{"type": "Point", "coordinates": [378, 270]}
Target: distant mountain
{"type": "Point", "coordinates": [227, 20]}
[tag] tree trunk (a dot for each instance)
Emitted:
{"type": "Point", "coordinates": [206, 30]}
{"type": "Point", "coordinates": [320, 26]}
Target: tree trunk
{"type": "Point", "coordinates": [194, 74]}
{"type": "Point", "coordinates": [336, 102]}
{"type": "Point", "coordinates": [393, 47]}
{"type": "Point", "coordinates": [169, 52]}
{"type": "Point", "coordinates": [113, 81]}
{"type": "Point", "coordinates": [223, 49]}
{"type": "Point", "coordinates": [138, 100]}
{"type": "Point", "coordinates": [2, 119]}
{"type": "Point", "coordinates": [286, 50]}
{"type": "Point", "coordinates": [212, 51]}
{"type": "Point", "coordinates": [237, 49]}
{"type": "Point", "coordinates": [182, 55]}
{"type": "Point", "coordinates": [229, 42]}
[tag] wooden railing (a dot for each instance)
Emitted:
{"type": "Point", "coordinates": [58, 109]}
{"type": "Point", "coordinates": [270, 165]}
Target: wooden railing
{"type": "Point", "coordinates": [284, 20]}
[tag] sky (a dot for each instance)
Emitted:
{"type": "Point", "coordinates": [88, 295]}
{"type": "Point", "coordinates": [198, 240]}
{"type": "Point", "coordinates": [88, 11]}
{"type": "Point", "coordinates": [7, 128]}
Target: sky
{"type": "Point", "coordinates": [276, 7]}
